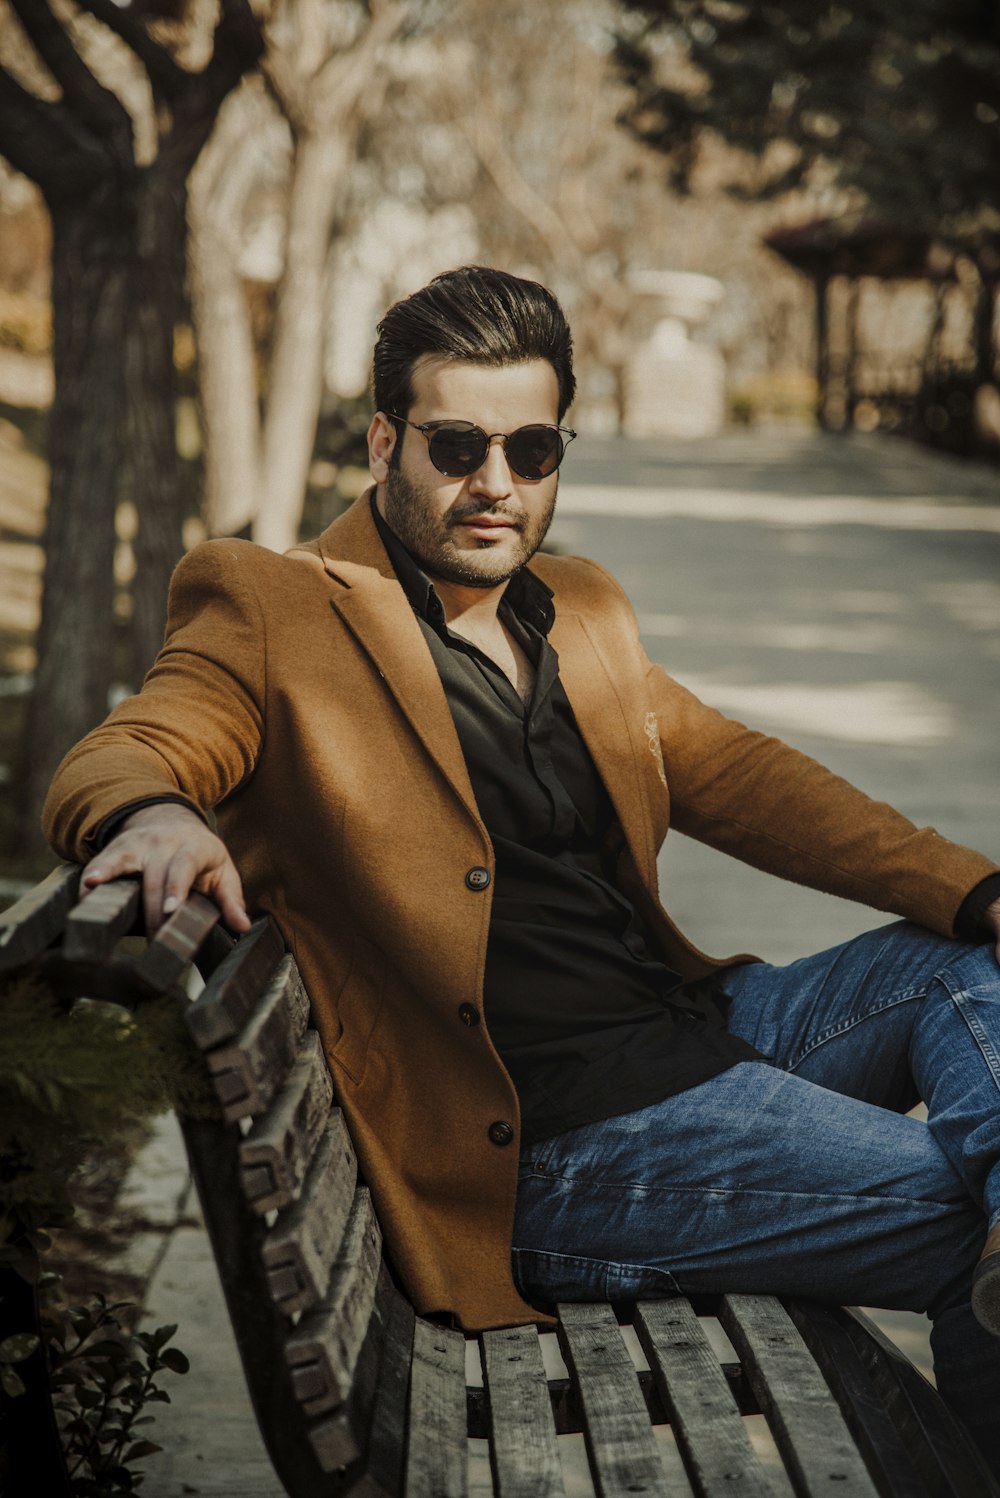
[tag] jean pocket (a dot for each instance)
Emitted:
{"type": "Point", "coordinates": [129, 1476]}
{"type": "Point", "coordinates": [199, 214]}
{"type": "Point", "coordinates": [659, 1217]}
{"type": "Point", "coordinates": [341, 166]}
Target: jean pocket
{"type": "Point", "coordinates": [546, 1276]}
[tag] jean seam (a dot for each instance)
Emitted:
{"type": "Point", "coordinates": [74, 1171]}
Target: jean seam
{"type": "Point", "coordinates": [701, 1190]}
{"type": "Point", "coordinates": [816, 1042]}
{"type": "Point", "coordinates": [966, 1009]}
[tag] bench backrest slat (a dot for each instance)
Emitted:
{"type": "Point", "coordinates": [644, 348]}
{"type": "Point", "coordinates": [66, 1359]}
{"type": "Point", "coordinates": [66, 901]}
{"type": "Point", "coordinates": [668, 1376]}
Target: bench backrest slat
{"type": "Point", "coordinates": [323, 1350]}
{"type": "Point", "coordinates": [805, 1421]}
{"type": "Point", "coordinates": [233, 990]}
{"type": "Point", "coordinates": [304, 1242]}
{"type": "Point", "coordinates": [619, 1437]}
{"type": "Point", "coordinates": [437, 1460]}
{"type": "Point", "coordinates": [524, 1447]}
{"type": "Point", "coordinates": [275, 1155]}
{"type": "Point", "coordinates": [695, 1392]}
{"type": "Point", "coordinates": [35, 920]}
{"type": "Point", "coordinates": [175, 945]}
{"type": "Point", "coordinates": [342, 1439]}
{"type": "Point", "coordinates": [248, 1071]}
{"type": "Point", "coordinates": [94, 927]}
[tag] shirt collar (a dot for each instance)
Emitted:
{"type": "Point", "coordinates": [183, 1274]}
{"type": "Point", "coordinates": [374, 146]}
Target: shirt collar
{"type": "Point", "coordinates": [526, 595]}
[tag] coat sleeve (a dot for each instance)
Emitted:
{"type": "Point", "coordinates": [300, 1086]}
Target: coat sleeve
{"type": "Point", "coordinates": [756, 798]}
{"type": "Point", "coordinates": [194, 732]}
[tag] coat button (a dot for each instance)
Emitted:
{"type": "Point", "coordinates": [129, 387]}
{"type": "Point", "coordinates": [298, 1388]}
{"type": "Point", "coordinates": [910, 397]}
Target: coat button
{"type": "Point", "coordinates": [477, 878]}
{"type": "Point", "coordinates": [468, 1014]}
{"type": "Point", "coordinates": [500, 1132]}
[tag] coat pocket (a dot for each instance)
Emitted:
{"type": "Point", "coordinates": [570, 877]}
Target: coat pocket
{"type": "Point", "coordinates": [358, 1007]}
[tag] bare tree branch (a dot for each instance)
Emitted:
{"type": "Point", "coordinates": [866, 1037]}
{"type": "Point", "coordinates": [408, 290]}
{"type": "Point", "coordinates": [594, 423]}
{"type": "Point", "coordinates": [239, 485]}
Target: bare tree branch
{"type": "Point", "coordinates": [95, 106]}
{"type": "Point", "coordinates": [43, 140]}
{"type": "Point", "coordinates": [165, 76]}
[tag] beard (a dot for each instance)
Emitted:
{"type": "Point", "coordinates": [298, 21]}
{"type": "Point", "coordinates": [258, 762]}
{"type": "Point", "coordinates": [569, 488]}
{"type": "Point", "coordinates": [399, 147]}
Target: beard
{"type": "Point", "coordinates": [412, 513]}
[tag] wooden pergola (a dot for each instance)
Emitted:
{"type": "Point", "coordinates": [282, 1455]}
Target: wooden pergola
{"type": "Point", "coordinates": [827, 250]}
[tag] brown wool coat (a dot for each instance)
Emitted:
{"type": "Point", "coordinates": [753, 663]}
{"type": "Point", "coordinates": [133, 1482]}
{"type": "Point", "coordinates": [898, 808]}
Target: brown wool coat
{"type": "Point", "coordinates": [297, 696]}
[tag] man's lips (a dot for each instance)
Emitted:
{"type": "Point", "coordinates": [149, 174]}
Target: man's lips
{"type": "Point", "coordinates": [486, 525]}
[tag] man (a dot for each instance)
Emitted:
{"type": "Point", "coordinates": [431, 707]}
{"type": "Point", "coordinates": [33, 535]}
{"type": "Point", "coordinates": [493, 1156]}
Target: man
{"type": "Point", "coordinates": [446, 775]}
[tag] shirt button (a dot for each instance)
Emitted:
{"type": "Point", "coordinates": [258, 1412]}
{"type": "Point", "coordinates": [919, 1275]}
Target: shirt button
{"type": "Point", "coordinates": [468, 1014]}
{"type": "Point", "coordinates": [477, 878]}
{"type": "Point", "coordinates": [500, 1132]}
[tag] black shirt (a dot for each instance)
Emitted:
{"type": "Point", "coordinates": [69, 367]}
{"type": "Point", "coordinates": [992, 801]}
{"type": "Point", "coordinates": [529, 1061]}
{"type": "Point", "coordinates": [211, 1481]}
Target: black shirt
{"type": "Point", "coordinates": [586, 1016]}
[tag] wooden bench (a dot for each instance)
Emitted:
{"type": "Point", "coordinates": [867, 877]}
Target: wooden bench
{"type": "Point", "coordinates": [354, 1393]}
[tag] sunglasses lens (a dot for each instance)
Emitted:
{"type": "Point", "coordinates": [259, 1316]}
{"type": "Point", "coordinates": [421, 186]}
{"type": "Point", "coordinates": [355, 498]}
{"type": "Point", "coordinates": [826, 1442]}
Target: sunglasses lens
{"type": "Point", "coordinates": [457, 450]}
{"type": "Point", "coordinates": [534, 452]}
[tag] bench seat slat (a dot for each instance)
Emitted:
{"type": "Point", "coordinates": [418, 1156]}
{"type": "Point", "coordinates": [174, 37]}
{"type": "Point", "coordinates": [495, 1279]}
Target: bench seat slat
{"type": "Point", "coordinates": [704, 1415]}
{"type": "Point", "coordinates": [275, 1154]}
{"type": "Point", "coordinates": [304, 1242]}
{"type": "Point", "coordinates": [249, 1071]}
{"type": "Point", "coordinates": [524, 1448]}
{"type": "Point", "coordinates": [323, 1350]}
{"type": "Point", "coordinates": [437, 1460]}
{"type": "Point", "coordinates": [36, 919]}
{"type": "Point", "coordinates": [808, 1428]}
{"type": "Point", "coordinates": [107, 913]}
{"type": "Point", "coordinates": [231, 993]}
{"type": "Point", "coordinates": [617, 1430]}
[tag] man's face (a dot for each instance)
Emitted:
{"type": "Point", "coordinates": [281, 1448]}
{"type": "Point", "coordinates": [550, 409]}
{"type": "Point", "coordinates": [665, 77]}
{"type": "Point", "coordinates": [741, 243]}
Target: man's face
{"type": "Point", "coordinates": [474, 531]}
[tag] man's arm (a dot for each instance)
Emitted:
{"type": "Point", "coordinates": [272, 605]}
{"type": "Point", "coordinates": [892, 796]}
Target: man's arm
{"type": "Point", "coordinates": [189, 738]}
{"type": "Point", "coordinates": [771, 806]}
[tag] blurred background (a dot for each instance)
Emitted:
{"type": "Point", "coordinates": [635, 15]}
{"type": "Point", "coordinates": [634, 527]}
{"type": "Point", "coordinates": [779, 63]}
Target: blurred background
{"type": "Point", "coordinates": [758, 216]}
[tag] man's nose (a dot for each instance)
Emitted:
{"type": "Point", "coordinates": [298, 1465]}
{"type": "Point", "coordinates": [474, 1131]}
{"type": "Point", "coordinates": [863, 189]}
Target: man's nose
{"type": "Point", "coordinates": [493, 477]}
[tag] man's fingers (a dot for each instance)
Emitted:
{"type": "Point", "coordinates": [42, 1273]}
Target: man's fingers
{"type": "Point", "coordinates": [224, 887]}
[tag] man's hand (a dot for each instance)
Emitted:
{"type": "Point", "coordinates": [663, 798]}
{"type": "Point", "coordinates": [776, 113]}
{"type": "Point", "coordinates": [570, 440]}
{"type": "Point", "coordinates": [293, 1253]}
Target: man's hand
{"type": "Point", "coordinates": [991, 918]}
{"type": "Point", "coordinates": [173, 850]}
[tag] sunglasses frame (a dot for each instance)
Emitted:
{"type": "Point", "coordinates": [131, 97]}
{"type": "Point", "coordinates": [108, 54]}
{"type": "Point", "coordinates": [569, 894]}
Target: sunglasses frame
{"type": "Point", "coordinates": [429, 429]}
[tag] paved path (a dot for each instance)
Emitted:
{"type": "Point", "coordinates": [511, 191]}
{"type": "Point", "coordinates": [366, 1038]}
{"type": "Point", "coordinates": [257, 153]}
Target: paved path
{"type": "Point", "coordinates": [844, 594]}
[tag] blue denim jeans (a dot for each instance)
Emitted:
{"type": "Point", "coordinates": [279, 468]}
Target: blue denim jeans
{"type": "Point", "coordinates": [801, 1175]}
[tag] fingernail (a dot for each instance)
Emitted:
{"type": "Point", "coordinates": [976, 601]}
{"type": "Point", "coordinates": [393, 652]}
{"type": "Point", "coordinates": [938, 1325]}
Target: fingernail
{"type": "Point", "coordinates": [170, 903]}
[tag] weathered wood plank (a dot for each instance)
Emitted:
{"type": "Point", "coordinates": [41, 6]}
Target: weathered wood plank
{"type": "Point", "coordinates": [323, 1350]}
{"type": "Point", "coordinates": [31, 923]}
{"type": "Point", "coordinates": [524, 1450]}
{"type": "Point", "coordinates": [303, 1244]}
{"type": "Point", "coordinates": [385, 1461]}
{"type": "Point", "coordinates": [275, 1154]}
{"type": "Point", "coordinates": [708, 1426]}
{"type": "Point", "coordinates": [248, 1072]}
{"type": "Point", "coordinates": [808, 1428]}
{"type": "Point", "coordinates": [231, 993]}
{"type": "Point", "coordinates": [911, 1440]}
{"type": "Point", "coordinates": [437, 1461]}
{"type": "Point", "coordinates": [95, 926]}
{"type": "Point", "coordinates": [173, 948]}
{"type": "Point", "coordinates": [619, 1437]}
{"type": "Point", "coordinates": [341, 1440]}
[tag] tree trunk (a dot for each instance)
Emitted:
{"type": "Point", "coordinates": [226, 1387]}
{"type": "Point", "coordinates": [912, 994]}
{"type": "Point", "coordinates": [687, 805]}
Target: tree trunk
{"type": "Point", "coordinates": [74, 645]}
{"type": "Point", "coordinates": [296, 378]}
{"type": "Point", "coordinates": [152, 405]}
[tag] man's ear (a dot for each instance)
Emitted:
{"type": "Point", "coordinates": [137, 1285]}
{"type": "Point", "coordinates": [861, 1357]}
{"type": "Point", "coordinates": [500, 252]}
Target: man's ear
{"type": "Point", "coordinates": [381, 441]}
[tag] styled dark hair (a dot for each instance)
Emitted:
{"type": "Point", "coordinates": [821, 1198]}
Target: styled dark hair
{"type": "Point", "coordinates": [474, 313]}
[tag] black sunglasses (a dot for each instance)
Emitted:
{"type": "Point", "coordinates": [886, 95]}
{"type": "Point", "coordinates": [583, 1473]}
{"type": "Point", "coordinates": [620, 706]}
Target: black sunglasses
{"type": "Point", "coordinates": [458, 448]}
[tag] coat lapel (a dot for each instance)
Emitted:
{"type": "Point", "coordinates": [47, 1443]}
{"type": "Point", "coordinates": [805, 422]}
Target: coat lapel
{"type": "Point", "coordinates": [374, 608]}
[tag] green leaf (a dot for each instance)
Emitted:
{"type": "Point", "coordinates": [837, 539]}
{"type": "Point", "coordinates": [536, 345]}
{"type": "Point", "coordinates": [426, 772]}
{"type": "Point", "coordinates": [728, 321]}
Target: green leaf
{"type": "Point", "coordinates": [175, 1360]}
{"type": "Point", "coordinates": [18, 1347]}
{"type": "Point", "coordinates": [139, 1449]}
{"type": "Point", "coordinates": [89, 1398]}
{"type": "Point", "coordinates": [10, 1382]}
